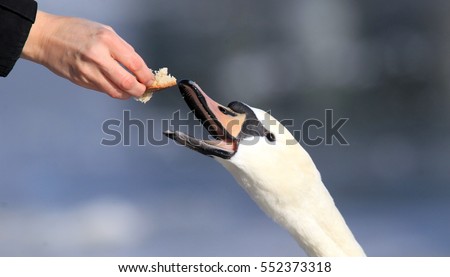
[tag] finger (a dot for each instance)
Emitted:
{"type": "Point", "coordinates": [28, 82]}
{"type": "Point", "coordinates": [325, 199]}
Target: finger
{"type": "Point", "coordinates": [109, 88]}
{"type": "Point", "coordinates": [125, 54]}
{"type": "Point", "coordinates": [96, 81]}
{"type": "Point", "coordinates": [106, 88]}
{"type": "Point", "coordinates": [121, 78]}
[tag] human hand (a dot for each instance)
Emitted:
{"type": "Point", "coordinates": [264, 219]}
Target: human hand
{"type": "Point", "coordinates": [87, 53]}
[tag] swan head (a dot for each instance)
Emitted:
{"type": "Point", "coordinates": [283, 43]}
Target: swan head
{"type": "Point", "coordinates": [244, 139]}
{"type": "Point", "coordinates": [272, 167]}
{"type": "Point", "coordinates": [232, 127]}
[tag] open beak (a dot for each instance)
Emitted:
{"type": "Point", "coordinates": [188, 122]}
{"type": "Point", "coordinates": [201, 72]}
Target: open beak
{"type": "Point", "coordinates": [221, 122]}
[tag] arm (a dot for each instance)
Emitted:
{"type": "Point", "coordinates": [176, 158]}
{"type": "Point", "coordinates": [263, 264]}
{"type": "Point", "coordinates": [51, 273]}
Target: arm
{"type": "Point", "coordinates": [87, 53]}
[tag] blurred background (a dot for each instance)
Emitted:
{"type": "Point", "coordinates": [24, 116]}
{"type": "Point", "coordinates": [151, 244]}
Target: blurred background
{"type": "Point", "coordinates": [385, 65]}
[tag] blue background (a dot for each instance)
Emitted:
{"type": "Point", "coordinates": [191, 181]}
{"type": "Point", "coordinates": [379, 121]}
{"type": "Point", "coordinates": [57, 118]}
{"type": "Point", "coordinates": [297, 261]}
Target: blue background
{"type": "Point", "coordinates": [384, 65]}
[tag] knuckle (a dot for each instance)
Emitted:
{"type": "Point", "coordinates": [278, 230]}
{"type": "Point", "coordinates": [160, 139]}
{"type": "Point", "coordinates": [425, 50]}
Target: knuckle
{"type": "Point", "coordinates": [129, 48]}
{"type": "Point", "coordinates": [134, 63]}
{"type": "Point", "coordinates": [91, 52]}
{"type": "Point", "coordinates": [127, 82]}
{"type": "Point", "coordinates": [109, 28]}
{"type": "Point", "coordinates": [95, 47]}
{"type": "Point", "coordinates": [105, 33]}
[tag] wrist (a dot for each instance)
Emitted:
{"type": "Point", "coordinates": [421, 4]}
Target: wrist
{"type": "Point", "coordinates": [34, 45]}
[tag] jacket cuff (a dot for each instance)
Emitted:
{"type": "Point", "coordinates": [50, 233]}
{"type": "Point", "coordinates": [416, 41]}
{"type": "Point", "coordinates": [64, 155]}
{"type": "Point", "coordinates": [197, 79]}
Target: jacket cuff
{"type": "Point", "coordinates": [17, 16]}
{"type": "Point", "coordinates": [24, 8]}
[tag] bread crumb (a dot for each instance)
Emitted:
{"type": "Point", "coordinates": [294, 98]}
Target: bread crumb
{"type": "Point", "coordinates": [162, 80]}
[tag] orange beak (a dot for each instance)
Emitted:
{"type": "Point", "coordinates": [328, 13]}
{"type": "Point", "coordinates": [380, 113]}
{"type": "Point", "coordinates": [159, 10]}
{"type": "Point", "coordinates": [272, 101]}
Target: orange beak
{"type": "Point", "coordinates": [222, 123]}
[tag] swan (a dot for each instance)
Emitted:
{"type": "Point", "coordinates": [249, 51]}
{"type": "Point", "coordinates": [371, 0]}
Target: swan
{"type": "Point", "coordinates": [272, 167]}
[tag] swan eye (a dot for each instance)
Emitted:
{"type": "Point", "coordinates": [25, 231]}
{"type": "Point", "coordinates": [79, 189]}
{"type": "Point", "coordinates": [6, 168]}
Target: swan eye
{"type": "Point", "coordinates": [271, 137]}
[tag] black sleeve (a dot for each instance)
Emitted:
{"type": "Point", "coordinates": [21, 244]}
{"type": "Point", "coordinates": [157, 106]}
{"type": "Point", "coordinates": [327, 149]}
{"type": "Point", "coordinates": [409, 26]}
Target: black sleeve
{"type": "Point", "coordinates": [16, 18]}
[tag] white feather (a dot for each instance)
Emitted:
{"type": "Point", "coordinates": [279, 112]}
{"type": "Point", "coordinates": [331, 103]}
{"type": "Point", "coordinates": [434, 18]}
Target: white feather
{"type": "Point", "coordinates": [282, 179]}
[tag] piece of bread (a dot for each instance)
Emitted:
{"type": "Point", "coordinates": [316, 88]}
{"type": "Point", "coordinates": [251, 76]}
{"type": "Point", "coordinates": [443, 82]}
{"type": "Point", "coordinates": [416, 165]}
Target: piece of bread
{"type": "Point", "coordinates": [162, 80]}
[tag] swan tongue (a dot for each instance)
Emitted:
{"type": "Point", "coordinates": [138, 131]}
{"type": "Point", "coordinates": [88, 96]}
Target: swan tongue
{"type": "Point", "coordinates": [206, 147]}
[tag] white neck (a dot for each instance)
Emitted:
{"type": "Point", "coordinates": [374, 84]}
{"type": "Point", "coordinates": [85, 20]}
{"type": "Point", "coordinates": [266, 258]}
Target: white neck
{"type": "Point", "coordinates": [319, 227]}
{"type": "Point", "coordinates": [297, 199]}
